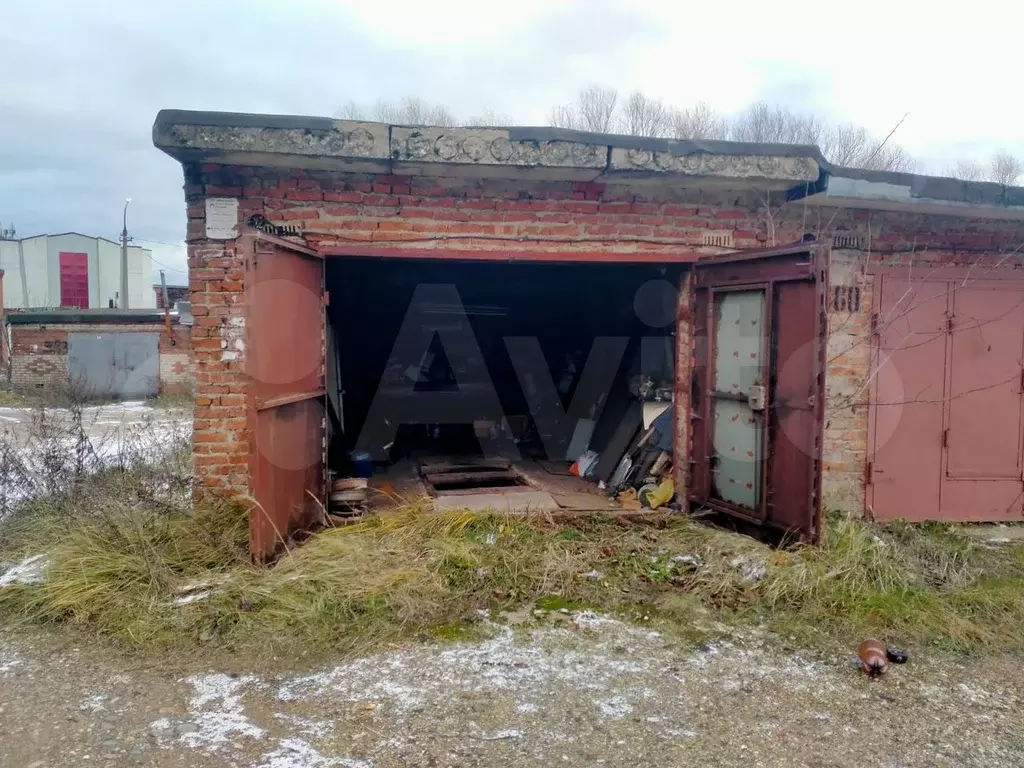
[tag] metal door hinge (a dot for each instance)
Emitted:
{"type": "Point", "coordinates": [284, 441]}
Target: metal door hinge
{"type": "Point", "coordinates": [874, 323]}
{"type": "Point", "coordinates": [949, 323]}
{"type": "Point", "coordinates": [945, 438]}
{"type": "Point", "coordinates": [869, 473]}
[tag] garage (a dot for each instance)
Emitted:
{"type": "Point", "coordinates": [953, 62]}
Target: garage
{"type": "Point", "coordinates": [946, 423]}
{"type": "Point", "coordinates": [478, 381]}
{"type": "Point", "coordinates": [475, 381]}
{"type": "Point", "coordinates": [468, 309]}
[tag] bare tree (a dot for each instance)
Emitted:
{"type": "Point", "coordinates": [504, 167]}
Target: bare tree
{"type": "Point", "coordinates": [765, 124]}
{"type": "Point", "coordinates": [490, 118]}
{"type": "Point", "coordinates": [593, 110]}
{"type": "Point", "coordinates": [967, 170]}
{"type": "Point", "coordinates": [853, 147]}
{"type": "Point", "coordinates": [351, 110]}
{"type": "Point", "coordinates": [1004, 168]}
{"type": "Point", "coordinates": [890, 157]}
{"type": "Point", "coordinates": [845, 145]}
{"type": "Point", "coordinates": [413, 110]}
{"type": "Point", "coordinates": [699, 122]}
{"type": "Point", "coordinates": [644, 116]}
{"type": "Point", "coordinates": [565, 116]}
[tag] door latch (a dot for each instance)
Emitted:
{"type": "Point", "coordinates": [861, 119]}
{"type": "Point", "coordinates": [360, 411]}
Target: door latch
{"type": "Point", "coordinates": [756, 397]}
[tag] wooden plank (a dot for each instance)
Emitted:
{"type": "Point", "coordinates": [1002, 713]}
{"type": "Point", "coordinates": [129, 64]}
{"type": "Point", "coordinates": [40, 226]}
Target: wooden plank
{"type": "Point", "coordinates": [448, 478]}
{"type": "Point", "coordinates": [482, 466]}
{"type": "Point", "coordinates": [621, 442]}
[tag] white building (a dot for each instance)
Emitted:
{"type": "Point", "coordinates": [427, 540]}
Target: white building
{"type": "Point", "coordinates": [73, 270]}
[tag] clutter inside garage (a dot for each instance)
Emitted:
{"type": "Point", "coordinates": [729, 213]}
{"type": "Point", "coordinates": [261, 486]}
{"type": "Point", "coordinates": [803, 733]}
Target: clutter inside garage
{"type": "Point", "coordinates": [490, 384]}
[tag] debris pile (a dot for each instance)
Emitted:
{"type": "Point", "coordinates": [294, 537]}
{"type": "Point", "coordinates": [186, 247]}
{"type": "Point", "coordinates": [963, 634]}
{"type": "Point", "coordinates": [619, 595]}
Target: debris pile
{"type": "Point", "coordinates": [635, 466]}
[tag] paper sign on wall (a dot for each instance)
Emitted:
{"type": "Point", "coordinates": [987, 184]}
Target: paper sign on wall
{"type": "Point", "coordinates": [221, 218]}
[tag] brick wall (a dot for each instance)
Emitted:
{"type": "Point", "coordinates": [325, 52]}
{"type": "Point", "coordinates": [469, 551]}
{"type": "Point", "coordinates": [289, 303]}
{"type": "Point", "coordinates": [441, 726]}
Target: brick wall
{"type": "Point", "coordinates": [403, 212]}
{"type": "Point", "coordinates": [220, 429]}
{"type": "Point", "coordinates": [177, 361]}
{"type": "Point", "coordinates": [848, 355]}
{"type": "Point", "coordinates": [39, 354]}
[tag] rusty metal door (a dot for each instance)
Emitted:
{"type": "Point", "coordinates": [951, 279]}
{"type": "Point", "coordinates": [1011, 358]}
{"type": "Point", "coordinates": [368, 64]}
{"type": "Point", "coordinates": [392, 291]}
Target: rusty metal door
{"type": "Point", "coordinates": [757, 406]}
{"type": "Point", "coordinates": [287, 415]}
{"type": "Point", "coordinates": [947, 398]}
{"type": "Point", "coordinates": [907, 386]}
{"type": "Point", "coordinates": [982, 477]}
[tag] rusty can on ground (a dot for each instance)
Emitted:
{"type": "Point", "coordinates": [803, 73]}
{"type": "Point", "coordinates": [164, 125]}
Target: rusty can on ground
{"type": "Point", "coordinates": [872, 655]}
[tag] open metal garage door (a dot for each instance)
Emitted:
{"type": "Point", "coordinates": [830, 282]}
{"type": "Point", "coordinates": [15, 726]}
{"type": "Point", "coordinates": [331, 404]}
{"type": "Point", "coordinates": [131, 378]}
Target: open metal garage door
{"type": "Point", "coordinates": [757, 412]}
{"type": "Point", "coordinates": [285, 353]}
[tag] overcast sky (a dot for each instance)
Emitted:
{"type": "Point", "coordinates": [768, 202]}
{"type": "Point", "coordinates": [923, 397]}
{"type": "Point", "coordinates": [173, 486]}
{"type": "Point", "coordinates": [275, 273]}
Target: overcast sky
{"type": "Point", "coordinates": [80, 82]}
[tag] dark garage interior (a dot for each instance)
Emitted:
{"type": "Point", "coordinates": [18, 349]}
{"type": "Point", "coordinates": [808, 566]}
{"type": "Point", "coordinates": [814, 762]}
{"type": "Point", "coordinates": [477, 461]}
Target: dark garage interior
{"type": "Point", "coordinates": [564, 306]}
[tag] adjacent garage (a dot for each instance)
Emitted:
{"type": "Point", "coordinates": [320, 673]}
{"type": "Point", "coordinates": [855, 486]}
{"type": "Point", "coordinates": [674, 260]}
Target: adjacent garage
{"type": "Point", "coordinates": [947, 395]}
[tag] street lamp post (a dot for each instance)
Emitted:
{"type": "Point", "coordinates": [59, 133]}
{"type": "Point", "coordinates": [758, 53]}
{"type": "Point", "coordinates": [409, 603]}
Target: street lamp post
{"type": "Point", "coordinates": [124, 255]}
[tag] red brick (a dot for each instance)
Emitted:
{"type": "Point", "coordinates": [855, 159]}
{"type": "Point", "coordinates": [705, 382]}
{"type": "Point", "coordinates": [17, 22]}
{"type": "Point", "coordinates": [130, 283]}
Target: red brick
{"type": "Point", "coordinates": [343, 197]}
{"type": "Point", "coordinates": [299, 214]}
{"type": "Point", "coordinates": [305, 194]}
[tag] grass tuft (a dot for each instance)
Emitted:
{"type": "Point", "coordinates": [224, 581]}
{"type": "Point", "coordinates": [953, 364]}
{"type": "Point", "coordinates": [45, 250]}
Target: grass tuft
{"type": "Point", "coordinates": [412, 573]}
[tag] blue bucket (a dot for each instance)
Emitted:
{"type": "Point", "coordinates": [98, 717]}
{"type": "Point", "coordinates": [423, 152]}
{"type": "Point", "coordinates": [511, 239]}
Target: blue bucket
{"type": "Point", "coordinates": [363, 463]}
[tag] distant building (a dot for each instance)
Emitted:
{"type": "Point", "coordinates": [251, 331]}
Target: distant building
{"type": "Point", "coordinates": [175, 293]}
{"type": "Point", "coordinates": [74, 271]}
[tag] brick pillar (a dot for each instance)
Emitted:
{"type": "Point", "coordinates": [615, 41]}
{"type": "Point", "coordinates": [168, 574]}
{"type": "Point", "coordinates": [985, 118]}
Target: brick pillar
{"type": "Point", "coordinates": [217, 288]}
{"type": "Point", "coordinates": [681, 400]}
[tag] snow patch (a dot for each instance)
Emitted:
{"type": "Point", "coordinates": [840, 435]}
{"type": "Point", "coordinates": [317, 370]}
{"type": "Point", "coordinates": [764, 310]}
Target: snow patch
{"type": "Point", "coordinates": [505, 733]}
{"type": "Point", "coordinates": [94, 703]}
{"type": "Point", "coordinates": [8, 661]}
{"type": "Point", "coordinates": [30, 571]}
{"type": "Point", "coordinates": [195, 597]}
{"type": "Point", "coordinates": [411, 680]}
{"type": "Point", "coordinates": [296, 753]}
{"type": "Point", "coordinates": [217, 711]}
{"type": "Point", "coordinates": [616, 708]}
{"type": "Point", "coordinates": [750, 568]}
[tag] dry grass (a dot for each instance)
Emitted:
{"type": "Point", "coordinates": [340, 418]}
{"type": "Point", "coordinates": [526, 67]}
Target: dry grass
{"type": "Point", "coordinates": [410, 573]}
{"type": "Point", "coordinates": [124, 542]}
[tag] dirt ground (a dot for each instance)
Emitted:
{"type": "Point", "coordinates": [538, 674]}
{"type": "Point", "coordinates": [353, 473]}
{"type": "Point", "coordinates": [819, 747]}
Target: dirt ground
{"type": "Point", "coordinates": [579, 690]}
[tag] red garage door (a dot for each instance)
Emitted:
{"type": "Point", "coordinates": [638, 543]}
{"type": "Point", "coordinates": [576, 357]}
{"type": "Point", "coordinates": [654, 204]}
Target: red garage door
{"type": "Point", "coordinates": [285, 295]}
{"type": "Point", "coordinates": [74, 280]}
{"type": "Point", "coordinates": [947, 405]}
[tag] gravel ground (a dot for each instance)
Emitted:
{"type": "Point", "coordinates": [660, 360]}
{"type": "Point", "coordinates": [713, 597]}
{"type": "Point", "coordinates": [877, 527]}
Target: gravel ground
{"type": "Point", "coordinates": [581, 691]}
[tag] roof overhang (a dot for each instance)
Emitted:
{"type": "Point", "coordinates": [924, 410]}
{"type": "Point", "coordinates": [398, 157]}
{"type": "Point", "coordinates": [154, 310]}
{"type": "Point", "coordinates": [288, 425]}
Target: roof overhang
{"type": "Point", "coordinates": [544, 154]}
{"type": "Point", "coordinates": [912, 193]}
{"type": "Point", "coordinates": [99, 315]}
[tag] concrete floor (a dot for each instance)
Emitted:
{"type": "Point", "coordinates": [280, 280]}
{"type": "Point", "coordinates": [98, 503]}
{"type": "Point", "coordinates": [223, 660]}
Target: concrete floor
{"type": "Point", "coordinates": [549, 488]}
